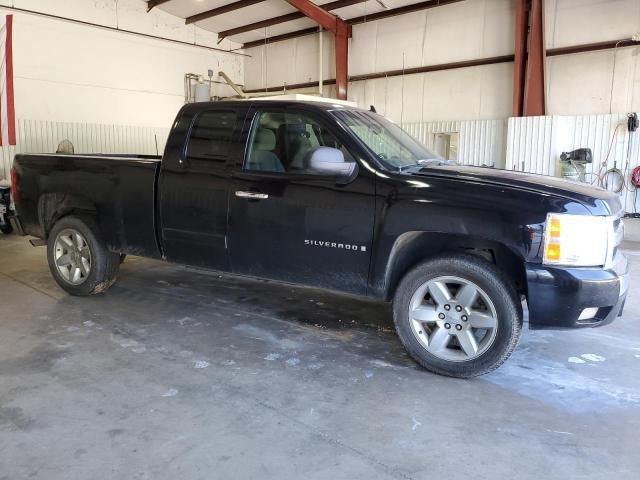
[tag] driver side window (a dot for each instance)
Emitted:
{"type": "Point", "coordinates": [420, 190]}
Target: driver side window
{"type": "Point", "coordinates": [284, 142]}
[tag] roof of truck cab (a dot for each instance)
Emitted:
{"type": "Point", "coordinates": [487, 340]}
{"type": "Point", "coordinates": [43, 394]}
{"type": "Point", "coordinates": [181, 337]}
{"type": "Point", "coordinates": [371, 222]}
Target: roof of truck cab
{"type": "Point", "coordinates": [271, 103]}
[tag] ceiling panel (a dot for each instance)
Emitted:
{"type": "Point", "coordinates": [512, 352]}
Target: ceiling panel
{"type": "Point", "coordinates": [244, 16]}
{"type": "Point", "coordinates": [266, 10]}
{"type": "Point", "coordinates": [186, 8]}
{"type": "Point", "coordinates": [360, 9]}
{"type": "Point", "coordinates": [273, 30]}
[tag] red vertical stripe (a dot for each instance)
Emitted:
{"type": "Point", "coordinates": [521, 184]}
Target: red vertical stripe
{"type": "Point", "coordinates": [11, 113]}
{"type": "Point", "coordinates": [1, 105]}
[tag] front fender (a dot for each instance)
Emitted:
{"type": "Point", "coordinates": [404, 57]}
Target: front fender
{"type": "Point", "coordinates": [421, 219]}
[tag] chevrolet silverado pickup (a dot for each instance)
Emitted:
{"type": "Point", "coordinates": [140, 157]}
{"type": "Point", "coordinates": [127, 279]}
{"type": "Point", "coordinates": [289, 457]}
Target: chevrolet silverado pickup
{"type": "Point", "coordinates": [335, 197]}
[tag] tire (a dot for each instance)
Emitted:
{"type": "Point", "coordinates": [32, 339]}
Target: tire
{"type": "Point", "coordinates": [461, 335]}
{"type": "Point", "coordinates": [6, 228]}
{"type": "Point", "coordinates": [97, 266]}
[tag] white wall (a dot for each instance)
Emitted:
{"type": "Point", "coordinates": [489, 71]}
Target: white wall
{"type": "Point", "coordinates": [473, 93]}
{"type": "Point", "coordinates": [473, 29]}
{"type": "Point", "coordinates": [74, 73]}
{"type": "Point", "coordinates": [582, 83]}
{"type": "Point", "coordinates": [463, 31]}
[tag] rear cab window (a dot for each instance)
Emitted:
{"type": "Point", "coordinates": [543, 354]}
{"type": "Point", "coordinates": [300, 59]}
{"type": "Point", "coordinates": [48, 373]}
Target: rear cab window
{"type": "Point", "coordinates": [211, 135]}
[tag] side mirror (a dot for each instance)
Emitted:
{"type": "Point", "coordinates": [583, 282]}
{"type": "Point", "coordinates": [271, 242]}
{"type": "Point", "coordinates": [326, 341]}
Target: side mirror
{"type": "Point", "coordinates": [330, 161]}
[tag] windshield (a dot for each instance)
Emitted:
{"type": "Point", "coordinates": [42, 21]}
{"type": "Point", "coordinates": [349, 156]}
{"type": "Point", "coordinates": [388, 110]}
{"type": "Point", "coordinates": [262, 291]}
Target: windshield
{"type": "Point", "coordinates": [393, 146]}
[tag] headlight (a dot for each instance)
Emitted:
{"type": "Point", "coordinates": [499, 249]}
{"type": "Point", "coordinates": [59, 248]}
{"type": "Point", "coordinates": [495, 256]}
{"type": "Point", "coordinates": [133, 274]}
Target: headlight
{"type": "Point", "coordinates": [577, 240]}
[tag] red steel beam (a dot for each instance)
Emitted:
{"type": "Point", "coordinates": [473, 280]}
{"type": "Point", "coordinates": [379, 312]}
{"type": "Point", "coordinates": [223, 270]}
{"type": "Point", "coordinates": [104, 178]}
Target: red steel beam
{"type": "Point", "coordinates": [520, 53]}
{"type": "Point", "coordinates": [322, 17]}
{"type": "Point", "coordinates": [534, 94]}
{"type": "Point", "coordinates": [592, 47]}
{"type": "Point", "coordinates": [342, 32]}
{"type": "Point", "coordinates": [529, 58]}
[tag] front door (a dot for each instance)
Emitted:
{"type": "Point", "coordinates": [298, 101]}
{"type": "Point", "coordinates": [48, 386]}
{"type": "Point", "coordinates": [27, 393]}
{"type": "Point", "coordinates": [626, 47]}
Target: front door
{"type": "Point", "coordinates": [290, 223]}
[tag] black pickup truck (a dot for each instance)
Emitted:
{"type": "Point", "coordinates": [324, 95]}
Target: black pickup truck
{"type": "Point", "coordinates": [340, 198]}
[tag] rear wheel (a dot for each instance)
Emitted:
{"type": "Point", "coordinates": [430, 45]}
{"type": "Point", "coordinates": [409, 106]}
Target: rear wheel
{"type": "Point", "coordinates": [78, 257]}
{"type": "Point", "coordinates": [458, 315]}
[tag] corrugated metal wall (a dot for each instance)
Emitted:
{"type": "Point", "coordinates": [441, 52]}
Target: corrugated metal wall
{"type": "Point", "coordinates": [36, 136]}
{"type": "Point", "coordinates": [480, 142]}
{"type": "Point", "coordinates": [529, 145]}
{"type": "Point", "coordinates": [534, 144]}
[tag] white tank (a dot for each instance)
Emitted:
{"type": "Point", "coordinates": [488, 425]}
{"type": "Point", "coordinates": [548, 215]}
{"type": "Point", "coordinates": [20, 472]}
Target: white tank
{"type": "Point", "coordinates": [201, 92]}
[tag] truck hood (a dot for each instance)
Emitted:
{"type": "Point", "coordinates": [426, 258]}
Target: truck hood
{"type": "Point", "coordinates": [597, 200]}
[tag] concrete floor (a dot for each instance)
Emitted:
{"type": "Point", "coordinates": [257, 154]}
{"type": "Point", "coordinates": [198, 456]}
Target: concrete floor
{"type": "Point", "coordinates": [181, 374]}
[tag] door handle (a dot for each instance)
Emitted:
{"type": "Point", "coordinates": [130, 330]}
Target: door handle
{"type": "Point", "coordinates": [251, 195]}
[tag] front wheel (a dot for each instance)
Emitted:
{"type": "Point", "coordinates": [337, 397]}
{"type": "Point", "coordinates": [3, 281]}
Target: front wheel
{"type": "Point", "coordinates": [78, 256]}
{"type": "Point", "coordinates": [458, 315]}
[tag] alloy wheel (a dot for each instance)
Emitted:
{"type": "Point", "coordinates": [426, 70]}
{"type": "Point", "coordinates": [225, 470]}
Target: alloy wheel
{"type": "Point", "coordinates": [453, 318]}
{"type": "Point", "coordinates": [72, 256]}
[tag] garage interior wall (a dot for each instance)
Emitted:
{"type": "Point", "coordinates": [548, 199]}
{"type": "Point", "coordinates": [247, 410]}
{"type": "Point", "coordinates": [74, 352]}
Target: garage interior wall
{"type": "Point", "coordinates": [69, 78]}
{"type": "Point", "coordinates": [469, 30]}
{"type": "Point", "coordinates": [68, 74]}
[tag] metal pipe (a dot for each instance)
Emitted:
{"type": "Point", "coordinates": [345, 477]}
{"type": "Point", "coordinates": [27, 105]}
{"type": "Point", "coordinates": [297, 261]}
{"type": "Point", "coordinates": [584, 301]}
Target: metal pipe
{"type": "Point", "coordinates": [232, 84]}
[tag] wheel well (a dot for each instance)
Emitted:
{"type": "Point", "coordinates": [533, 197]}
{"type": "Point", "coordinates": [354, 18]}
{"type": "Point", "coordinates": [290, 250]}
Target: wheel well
{"type": "Point", "coordinates": [53, 206]}
{"type": "Point", "coordinates": [426, 246]}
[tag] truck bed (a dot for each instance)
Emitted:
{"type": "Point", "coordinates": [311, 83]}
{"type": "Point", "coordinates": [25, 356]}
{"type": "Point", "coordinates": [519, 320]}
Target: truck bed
{"type": "Point", "coordinates": [121, 187]}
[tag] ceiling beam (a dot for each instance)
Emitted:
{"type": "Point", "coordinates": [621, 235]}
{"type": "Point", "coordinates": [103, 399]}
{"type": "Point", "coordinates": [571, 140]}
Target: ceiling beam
{"type": "Point", "coordinates": [154, 3]}
{"type": "Point", "coordinates": [392, 12]}
{"type": "Point", "coordinates": [592, 47]}
{"type": "Point", "coordinates": [285, 18]}
{"type": "Point", "coordinates": [221, 10]}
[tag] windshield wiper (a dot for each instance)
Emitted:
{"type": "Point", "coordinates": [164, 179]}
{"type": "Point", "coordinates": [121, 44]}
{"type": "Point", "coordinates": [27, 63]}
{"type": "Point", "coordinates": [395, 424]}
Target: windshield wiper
{"type": "Point", "coordinates": [425, 163]}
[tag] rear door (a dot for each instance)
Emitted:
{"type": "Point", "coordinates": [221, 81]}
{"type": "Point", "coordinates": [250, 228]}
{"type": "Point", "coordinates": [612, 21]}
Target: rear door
{"type": "Point", "coordinates": [194, 184]}
{"type": "Point", "coordinates": [289, 223]}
